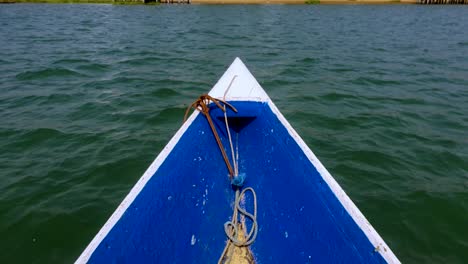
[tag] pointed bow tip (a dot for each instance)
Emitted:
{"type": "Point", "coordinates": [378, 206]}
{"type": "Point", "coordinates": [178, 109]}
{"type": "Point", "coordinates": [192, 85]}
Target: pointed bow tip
{"type": "Point", "coordinates": [238, 60]}
{"type": "Point", "coordinates": [238, 84]}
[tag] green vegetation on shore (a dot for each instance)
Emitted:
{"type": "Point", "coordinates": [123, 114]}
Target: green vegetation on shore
{"type": "Point", "coordinates": [312, 2]}
{"type": "Point", "coordinates": [121, 2]}
{"type": "Point", "coordinates": [66, 1]}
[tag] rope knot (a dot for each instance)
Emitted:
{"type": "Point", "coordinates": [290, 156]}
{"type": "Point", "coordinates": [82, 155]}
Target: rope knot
{"type": "Point", "coordinates": [203, 102]}
{"type": "Point", "coordinates": [238, 180]}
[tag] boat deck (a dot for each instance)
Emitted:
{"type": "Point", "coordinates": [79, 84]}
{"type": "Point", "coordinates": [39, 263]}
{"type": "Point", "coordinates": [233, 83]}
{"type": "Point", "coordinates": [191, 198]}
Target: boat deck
{"type": "Point", "coordinates": [179, 214]}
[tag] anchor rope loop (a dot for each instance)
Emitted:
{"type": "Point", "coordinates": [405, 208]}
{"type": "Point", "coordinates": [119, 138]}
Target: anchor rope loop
{"type": "Point", "coordinates": [231, 227]}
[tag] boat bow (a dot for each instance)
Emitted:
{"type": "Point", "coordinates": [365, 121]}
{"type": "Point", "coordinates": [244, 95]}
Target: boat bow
{"type": "Point", "coordinates": [176, 211]}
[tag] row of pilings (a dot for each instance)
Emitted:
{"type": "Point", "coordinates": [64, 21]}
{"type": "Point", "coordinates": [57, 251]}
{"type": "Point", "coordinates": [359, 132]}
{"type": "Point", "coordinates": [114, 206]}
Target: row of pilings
{"type": "Point", "coordinates": [422, 2]}
{"type": "Point", "coordinates": [443, 2]}
{"type": "Point", "coordinates": [175, 1]}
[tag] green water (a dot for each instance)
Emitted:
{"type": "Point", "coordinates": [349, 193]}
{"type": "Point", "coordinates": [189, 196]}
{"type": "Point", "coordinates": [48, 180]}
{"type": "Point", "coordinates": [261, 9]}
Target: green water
{"type": "Point", "coordinates": [89, 95]}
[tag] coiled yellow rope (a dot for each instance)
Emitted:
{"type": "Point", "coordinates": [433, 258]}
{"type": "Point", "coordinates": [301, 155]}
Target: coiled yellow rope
{"type": "Point", "coordinates": [230, 227]}
{"type": "Point", "coordinates": [237, 250]}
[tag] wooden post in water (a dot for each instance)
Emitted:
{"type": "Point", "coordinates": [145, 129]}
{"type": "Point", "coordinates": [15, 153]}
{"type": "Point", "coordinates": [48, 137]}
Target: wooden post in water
{"type": "Point", "coordinates": [175, 1]}
{"type": "Point", "coordinates": [442, 2]}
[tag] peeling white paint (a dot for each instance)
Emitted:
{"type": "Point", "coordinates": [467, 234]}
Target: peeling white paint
{"type": "Point", "coordinates": [193, 240]}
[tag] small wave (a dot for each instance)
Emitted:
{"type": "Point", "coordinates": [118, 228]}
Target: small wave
{"type": "Point", "coordinates": [270, 53]}
{"type": "Point", "coordinates": [140, 61]}
{"type": "Point", "coordinates": [228, 46]}
{"type": "Point", "coordinates": [370, 157]}
{"type": "Point", "coordinates": [26, 139]}
{"type": "Point", "coordinates": [94, 67]}
{"type": "Point", "coordinates": [48, 40]}
{"type": "Point", "coordinates": [308, 60]}
{"type": "Point", "coordinates": [380, 49]}
{"type": "Point", "coordinates": [164, 93]}
{"type": "Point", "coordinates": [171, 113]}
{"type": "Point", "coordinates": [3, 61]}
{"type": "Point", "coordinates": [367, 80]}
{"type": "Point", "coordinates": [428, 61]}
{"type": "Point", "coordinates": [70, 61]}
{"type": "Point", "coordinates": [84, 29]}
{"type": "Point", "coordinates": [279, 82]}
{"type": "Point", "coordinates": [59, 98]}
{"type": "Point", "coordinates": [8, 134]}
{"type": "Point", "coordinates": [181, 60]}
{"type": "Point", "coordinates": [47, 73]}
{"type": "Point", "coordinates": [44, 133]}
{"type": "Point", "coordinates": [334, 96]}
{"type": "Point", "coordinates": [125, 80]}
{"type": "Point", "coordinates": [403, 101]}
{"type": "Point", "coordinates": [341, 69]}
{"type": "Point", "coordinates": [176, 82]}
{"type": "Point", "coordinates": [295, 72]}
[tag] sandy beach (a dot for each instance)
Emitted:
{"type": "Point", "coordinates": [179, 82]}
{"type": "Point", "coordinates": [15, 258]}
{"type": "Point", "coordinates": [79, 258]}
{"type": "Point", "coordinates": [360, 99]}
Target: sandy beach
{"type": "Point", "coordinates": [304, 2]}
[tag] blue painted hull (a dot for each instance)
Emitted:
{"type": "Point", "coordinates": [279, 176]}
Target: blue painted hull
{"type": "Point", "coordinates": [179, 214]}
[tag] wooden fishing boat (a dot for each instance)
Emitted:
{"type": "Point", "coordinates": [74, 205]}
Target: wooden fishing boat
{"type": "Point", "coordinates": [196, 202]}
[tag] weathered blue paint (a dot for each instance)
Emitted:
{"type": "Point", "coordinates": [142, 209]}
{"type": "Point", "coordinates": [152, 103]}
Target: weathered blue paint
{"type": "Point", "coordinates": [178, 217]}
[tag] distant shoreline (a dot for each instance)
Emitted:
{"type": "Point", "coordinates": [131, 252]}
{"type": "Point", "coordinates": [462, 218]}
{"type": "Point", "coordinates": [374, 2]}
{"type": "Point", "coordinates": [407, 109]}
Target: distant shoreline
{"type": "Point", "coordinates": [298, 2]}
{"type": "Point", "coordinates": [109, 2]}
{"type": "Point", "coordinates": [237, 2]}
{"type": "Point", "coordinates": [216, 2]}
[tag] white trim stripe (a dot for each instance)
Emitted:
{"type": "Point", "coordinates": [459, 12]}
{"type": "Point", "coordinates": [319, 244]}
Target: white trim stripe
{"type": "Point", "coordinates": [375, 239]}
{"type": "Point", "coordinates": [85, 256]}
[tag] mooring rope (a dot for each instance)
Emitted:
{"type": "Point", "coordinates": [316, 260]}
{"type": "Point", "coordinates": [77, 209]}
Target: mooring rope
{"type": "Point", "coordinates": [230, 227]}
{"type": "Point", "coordinates": [234, 229]}
{"type": "Point", "coordinates": [236, 169]}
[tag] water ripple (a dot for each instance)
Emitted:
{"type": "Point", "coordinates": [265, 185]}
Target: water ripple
{"type": "Point", "coordinates": [47, 73]}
